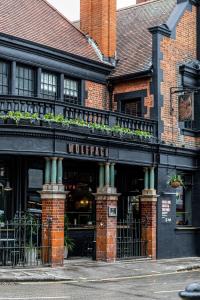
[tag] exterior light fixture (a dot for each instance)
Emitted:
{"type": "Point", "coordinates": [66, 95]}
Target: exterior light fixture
{"type": "Point", "coordinates": [7, 187]}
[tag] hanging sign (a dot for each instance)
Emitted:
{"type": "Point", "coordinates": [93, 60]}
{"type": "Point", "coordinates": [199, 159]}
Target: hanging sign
{"type": "Point", "coordinates": [186, 107]}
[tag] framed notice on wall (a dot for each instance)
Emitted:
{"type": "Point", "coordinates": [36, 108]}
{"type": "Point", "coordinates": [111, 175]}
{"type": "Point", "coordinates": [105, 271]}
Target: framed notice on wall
{"type": "Point", "coordinates": [166, 210]}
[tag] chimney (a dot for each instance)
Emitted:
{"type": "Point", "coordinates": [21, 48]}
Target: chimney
{"type": "Point", "coordinates": [141, 1]}
{"type": "Point", "coordinates": [98, 20]}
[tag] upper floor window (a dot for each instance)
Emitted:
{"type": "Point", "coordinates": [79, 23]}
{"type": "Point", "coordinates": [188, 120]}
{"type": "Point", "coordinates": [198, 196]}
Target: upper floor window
{"type": "Point", "coordinates": [132, 107]}
{"type": "Point", "coordinates": [24, 81]}
{"type": "Point", "coordinates": [71, 91]}
{"type": "Point", "coordinates": [49, 85]}
{"type": "Point", "coordinates": [4, 77]}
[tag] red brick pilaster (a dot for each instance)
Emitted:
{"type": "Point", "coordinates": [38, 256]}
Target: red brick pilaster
{"type": "Point", "coordinates": [106, 226]}
{"type": "Point", "coordinates": [53, 202]}
{"type": "Point", "coordinates": [149, 220]}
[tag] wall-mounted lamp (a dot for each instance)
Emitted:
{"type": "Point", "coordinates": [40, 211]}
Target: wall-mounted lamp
{"type": "Point", "coordinates": [7, 187]}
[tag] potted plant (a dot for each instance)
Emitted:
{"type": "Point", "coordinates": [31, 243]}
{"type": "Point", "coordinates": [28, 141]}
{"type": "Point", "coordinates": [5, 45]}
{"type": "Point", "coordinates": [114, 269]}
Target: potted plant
{"type": "Point", "coordinates": [2, 119]}
{"type": "Point", "coordinates": [175, 181]}
{"type": "Point", "coordinates": [48, 119]}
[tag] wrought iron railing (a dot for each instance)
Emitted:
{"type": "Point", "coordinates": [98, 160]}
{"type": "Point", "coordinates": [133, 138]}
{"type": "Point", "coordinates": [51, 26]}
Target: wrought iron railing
{"type": "Point", "coordinates": [20, 243]}
{"type": "Point", "coordinates": [69, 111]}
{"type": "Point", "coordinates": [130, 242]}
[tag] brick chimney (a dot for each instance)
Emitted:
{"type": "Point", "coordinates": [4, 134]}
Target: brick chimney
{"type": "Point", "coordinates": [98, 20]}
{"type": "Point", "coordinates": [141, 1]}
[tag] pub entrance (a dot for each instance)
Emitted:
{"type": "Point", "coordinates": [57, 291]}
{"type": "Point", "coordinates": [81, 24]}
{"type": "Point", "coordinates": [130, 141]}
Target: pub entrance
{"type": "Point", "coordinates": [80, 180]}
{"type": "Point", "coordinates": [131, 237]}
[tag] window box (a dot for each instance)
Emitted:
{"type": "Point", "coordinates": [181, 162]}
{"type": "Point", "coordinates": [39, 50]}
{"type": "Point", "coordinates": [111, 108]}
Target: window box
{"type": "Point", "coordinates": [11, 121]}
{"type": "Point", "coordinates": [46, 123]}
{"type": "Point", "coordinates": [81, 129]}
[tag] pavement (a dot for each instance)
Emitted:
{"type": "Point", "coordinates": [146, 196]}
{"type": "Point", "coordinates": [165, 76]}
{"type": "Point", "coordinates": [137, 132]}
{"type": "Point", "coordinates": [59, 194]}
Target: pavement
{"type": "Point", "coordinates": [88, 270]}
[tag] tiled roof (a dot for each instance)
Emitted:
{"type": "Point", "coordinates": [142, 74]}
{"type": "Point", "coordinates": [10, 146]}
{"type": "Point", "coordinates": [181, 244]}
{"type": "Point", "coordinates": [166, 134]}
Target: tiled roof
{"type": "Point", "coordinates": [39, 22]}
{"type": "Point", "coordinates": [134, 41]}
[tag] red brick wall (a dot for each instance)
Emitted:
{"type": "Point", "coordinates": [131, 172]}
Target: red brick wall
{"type": "Point", "coordinates": [176, 52]}
{"type": "Point", "coordinates": [136, 85]}
{"type": "Point", "coordinates": [98, 20]}
{"type": "Point", "coordinates": [97, 95]}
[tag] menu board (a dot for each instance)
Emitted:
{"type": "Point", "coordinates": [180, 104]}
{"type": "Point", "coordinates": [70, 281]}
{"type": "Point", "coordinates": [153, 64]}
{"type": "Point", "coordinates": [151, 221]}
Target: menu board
{"type": "Point", "coordinates": [166, 211]}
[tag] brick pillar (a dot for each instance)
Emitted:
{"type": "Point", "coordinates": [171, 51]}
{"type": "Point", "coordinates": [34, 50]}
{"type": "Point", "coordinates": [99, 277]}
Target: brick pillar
{"type": "Point", "coordinates": [106, 215]}
{"type": "Point", "coordinates": [53, 206]}
{"type": "Point", "coordinates": [148, 207]}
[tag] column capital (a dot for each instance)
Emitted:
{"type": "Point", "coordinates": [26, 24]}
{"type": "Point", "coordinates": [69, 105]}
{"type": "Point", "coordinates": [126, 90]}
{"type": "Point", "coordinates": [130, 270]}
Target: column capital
{"type": "Point", "coordinates": [54, 158]}
{"type": "Point", "coordinates": [47, 158]}
{"type": "Point", "coordinates": [60, 158]}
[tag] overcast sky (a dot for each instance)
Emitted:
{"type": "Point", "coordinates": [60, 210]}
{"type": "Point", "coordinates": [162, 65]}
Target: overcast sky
{"type": "Point", "coordinates": [70, 8]}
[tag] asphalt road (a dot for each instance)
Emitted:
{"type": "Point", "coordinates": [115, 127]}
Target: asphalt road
{"type": "Point", "coordinates": [156, 286]}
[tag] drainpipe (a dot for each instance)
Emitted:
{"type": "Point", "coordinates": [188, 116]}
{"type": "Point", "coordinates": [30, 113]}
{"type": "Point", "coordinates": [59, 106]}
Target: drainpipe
{"type": "Point", "coordinates": [110, 88]}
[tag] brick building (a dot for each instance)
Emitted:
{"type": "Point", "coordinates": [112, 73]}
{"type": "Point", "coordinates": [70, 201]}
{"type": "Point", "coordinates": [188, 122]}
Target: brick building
{"type": "Point", "coordinates": [98, 122]}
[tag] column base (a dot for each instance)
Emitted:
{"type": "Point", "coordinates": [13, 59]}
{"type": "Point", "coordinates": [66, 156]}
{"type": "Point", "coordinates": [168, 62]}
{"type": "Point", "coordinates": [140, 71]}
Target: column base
{"type": "Point", "coordinates": [106, 225]}
{"type": "Point", "coordinates": [148, 203]}
{"type": "Point", "coordinates": [53, 204]}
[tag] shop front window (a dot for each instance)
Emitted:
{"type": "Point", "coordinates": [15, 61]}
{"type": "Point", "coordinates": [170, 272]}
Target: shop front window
{"type": "Point", "coordinates": [184, 202]}
{"type": "Point", "coordinates": [35, 181]}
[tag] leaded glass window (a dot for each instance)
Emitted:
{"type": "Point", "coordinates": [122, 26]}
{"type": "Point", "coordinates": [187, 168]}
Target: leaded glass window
{"type": "Point", "coordinates": [4, 77]}
{"type": "Point", "coordinates": [71, 91]}
{"type": "Point", "coordinates": [49, 85]}
{"type": "Point", "coordinates": [24, 81]}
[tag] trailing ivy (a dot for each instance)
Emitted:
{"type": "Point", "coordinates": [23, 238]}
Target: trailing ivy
{"type": "Point", "coordinates": [49, 117]}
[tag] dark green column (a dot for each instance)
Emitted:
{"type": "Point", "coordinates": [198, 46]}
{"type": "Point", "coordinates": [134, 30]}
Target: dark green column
{"type": "Point", "coordinates": [107, 174]}
{"type": "Point", "coordinates": [101, 175]}
{"type": "Point", "coordinates": [146, 178]}
{"type": "Point", "coordinates": [47, 170]}
{"type": "Point", "coordinates": [152, 178]}
{"type": "Point", "coordinates": [60, 170]}
{"type": "Point", "coordinates": [112, 175]}
{"type": "Point", "coordinates": [54, 170]}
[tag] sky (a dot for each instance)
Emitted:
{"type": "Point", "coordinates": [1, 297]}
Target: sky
{"type": "Point", "coordinates": [70, 8]}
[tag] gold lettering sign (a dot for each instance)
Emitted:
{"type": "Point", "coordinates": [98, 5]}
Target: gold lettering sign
{"type": "Point", "coordinates": [87, 150]}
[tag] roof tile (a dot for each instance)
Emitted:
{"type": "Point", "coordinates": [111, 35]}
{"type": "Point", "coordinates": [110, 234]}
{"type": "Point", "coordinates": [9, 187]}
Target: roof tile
{"type": "Point", "coordinates": [39, 22]}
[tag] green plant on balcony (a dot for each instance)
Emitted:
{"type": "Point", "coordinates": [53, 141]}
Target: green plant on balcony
{"type": "Point", "coordinates": [50, 118]}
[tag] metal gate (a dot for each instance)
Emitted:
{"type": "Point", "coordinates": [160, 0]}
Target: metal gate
{"type": "Point", "coordinates": [20, 242]}
{"type": "Point", "coordinates": [131, 238]}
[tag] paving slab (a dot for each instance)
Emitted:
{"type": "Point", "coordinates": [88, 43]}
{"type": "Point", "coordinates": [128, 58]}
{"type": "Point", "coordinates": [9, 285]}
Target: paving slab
{"type": "Point", "coordinates": [85, 269]}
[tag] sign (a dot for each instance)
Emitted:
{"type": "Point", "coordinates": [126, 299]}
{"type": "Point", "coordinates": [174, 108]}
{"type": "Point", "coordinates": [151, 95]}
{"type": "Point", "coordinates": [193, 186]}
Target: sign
{"type": "Point", "coordinates": [87, 150]}
{"type": "Point", "coordinates": [112, 211]}
{"type": "Point", "coordinates": [166, 211]}
{"type": "Point", "coordinates": [186, 107]}
{"type": "Point", "coordinates": [35, 178]}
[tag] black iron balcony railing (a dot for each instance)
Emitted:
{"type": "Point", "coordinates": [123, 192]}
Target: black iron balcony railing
{"type": "Point", "coordinates": [90, 115]}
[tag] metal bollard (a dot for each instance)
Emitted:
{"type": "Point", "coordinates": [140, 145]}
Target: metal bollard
{"type": "Point", "coordinates": [192, 291]}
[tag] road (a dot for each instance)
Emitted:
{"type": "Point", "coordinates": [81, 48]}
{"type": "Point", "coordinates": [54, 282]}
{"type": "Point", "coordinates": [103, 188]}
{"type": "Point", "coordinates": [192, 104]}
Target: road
{"type": "Point", "coordinates": [156, 286]}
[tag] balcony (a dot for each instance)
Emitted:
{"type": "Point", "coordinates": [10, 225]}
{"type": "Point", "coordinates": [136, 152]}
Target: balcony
{"type": "Point", "coordinates": [97, 121]}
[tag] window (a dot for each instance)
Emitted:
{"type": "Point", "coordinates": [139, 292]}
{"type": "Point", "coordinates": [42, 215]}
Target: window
{"type": "Point", "coordinates": [71, 94]}
{"type": "Point", "coordinates": [49, 85]}
{"type": "Point", "coordinates": [184, 202]}
{"type": "Point", "coordinates": [132, 107]}
{"type": "Point", "coordinates": [4, 77]}
{"type": "Point", "coordinates": [24, 81]}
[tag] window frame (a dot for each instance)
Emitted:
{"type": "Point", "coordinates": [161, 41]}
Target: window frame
{"type": "Point", "coordinates": [122, 98]}
{"type": "Point", "coordinates": [31, 93]}
{"type": "Point", "coordinates": [45, 95]}
{"type": "Point", "coordinates": [4, 62]}
{"type": "Point", "coordinates": [71, 100]}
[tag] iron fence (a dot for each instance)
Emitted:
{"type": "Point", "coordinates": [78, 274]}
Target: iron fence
{"type": "Point", "coordinates": [131, 238]}
{"type": "Point", "coordinates": [21, 242]}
